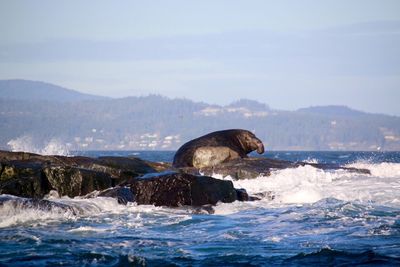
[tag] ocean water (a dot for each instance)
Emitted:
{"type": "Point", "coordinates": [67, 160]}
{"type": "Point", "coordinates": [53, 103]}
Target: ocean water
{"type": "Point", "coordinates": [307, 217]}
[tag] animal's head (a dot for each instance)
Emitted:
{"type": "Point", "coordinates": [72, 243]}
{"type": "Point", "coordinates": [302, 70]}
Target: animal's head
{"type": "Point", "coordinates": [250, 142]}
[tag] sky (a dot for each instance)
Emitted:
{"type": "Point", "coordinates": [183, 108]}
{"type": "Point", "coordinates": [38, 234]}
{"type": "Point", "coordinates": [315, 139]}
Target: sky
{"type": "Point", "coordinates": [287, 54]}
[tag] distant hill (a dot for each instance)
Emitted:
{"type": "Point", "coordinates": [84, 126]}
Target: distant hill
{"type": "Point", "coordinates": [160, 123]}
{"type": "Point", "coordinates": [250, 104]}
{"type": "Point", "coordinates": [332, 110]}
{"type": "Point", "coordinates": [34, 90]}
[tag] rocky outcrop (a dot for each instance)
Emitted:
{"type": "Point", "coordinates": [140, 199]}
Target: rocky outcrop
{"type": "Point", "coordinates": [31, 175]}
{"type": "Point", "coordinates": [131, 179]}
{"type": "Point", "coordinates": [249, 168]}
{"type": "Point", "coordinates": [71, 181]}
{"type": "Point", "coordinates": [117, 167]}
{"type": "Point", "coordinates": [23, 178]}
{"type": "Point", "coordinates": [180, 189]}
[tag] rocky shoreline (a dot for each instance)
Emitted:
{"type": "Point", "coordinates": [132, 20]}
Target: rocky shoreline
{"type": "Point", "coordinates": [130, 179]}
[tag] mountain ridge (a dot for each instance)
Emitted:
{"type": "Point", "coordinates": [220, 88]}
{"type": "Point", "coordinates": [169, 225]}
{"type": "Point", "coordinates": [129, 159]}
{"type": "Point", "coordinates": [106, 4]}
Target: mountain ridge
{"type": "Point", "coordinates": [39, 90]}
{"type": "Point", "coordinates": [157, 122]}
{"type": "Point", "coordinates": [20, 89]}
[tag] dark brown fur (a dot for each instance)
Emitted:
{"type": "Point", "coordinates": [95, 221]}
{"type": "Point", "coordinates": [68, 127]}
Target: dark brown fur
{"type": "Point", "coordinates": [240, 141]}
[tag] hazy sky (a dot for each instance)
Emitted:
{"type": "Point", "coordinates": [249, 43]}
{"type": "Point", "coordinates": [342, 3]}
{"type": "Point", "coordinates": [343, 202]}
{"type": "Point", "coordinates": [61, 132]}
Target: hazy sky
{"type": "Point", "coordinates": [288, 54]}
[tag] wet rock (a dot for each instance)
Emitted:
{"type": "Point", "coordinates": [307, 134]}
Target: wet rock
{"type": "Point", "coordinates": [71, 181]}
{"type": "Point", "coordinates": [161, 166]}
{"type": "Point", "coordinates": [242, 195]}
{"type": "Point", "coordinates": [125, 167]}
{"type": "Point", "coordinates": [9, 156]}
{"type": "Point", "coordinates": [180, 189]}
{"type": "Point", "coordinates": [23, 178]}
{"type": "Point", "coordinates": [205, 209]}
{"type": "Point", "coordinates": [122, 194]}
{"type": "Point", "coordinates": [32, 175]}
{"type": "Point", "coordinates": [117, 167]}
{"type": "Point", "coordinates": [249, 168]}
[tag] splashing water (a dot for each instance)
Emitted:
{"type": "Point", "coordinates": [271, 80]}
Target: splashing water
{"type": "Point", "coordinates": [25, 143]}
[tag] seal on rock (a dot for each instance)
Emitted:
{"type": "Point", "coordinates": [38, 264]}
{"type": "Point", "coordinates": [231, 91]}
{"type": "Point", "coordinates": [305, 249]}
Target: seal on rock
{"type": "Point", "coordinates": [217, 147]}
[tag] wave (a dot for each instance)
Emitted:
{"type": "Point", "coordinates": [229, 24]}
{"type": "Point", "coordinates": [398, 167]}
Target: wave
{"type": "Point", "coordinates": [328, 256]}
{"type": "Point", "coordinates": [26, 144]}
{"type": "Point", "coordinates": [35, 212]}
{"type": "Point", "coordinates": [383, 169]}
{"type": "Point", "coordinates": [307, 184]}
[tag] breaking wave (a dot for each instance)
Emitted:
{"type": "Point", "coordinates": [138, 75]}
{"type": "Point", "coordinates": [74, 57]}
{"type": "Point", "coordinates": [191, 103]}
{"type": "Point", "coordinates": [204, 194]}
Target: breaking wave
{"type": "Point", "coordinates": [26, 144]}
{"type": "Point", "coordinates": [307, 184]}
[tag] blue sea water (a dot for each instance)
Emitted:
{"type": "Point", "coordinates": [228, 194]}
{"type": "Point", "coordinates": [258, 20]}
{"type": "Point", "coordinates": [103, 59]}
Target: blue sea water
{"type": "Point", "coordinates": [321, 218]}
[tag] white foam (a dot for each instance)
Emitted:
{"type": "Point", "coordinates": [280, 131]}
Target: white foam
{"type": "Point", "coordinates": [383, 170]}
{"type": "Point", "coordinates": [93, 209]}
{"type": "Point", "coordinates": [87, 229]}
{"type": "Point", "coordinates": [311, 160]}
{"type": "Point", "coordinates": [15, 215]}
{"type": "Point", "coordinates": [307, 184]}
{"type": "Point", "coordinates": [25, 143]}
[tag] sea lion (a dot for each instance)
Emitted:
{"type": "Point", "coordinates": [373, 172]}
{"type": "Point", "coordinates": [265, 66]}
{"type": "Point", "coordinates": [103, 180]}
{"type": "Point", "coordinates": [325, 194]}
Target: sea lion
{"type": "Point", "coordinates": [217, 147]}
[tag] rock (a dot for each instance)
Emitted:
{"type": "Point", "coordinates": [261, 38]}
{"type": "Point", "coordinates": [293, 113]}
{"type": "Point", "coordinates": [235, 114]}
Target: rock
{"type": "Point", "coordinates": [23, 178]}
{"type": "Point", "coordinates": [117, 167]}
{"type": "Point", "coordinates": [8, 156]}
{"type": "Point", "coordinates": [71, 181]}
{"type": "Point", "coordinates": [179, 189]}
{"type": "Point", "coordinates": [249, 168]}
{"type": "Point", "coordinates": [122, 194]}
{"type": "Point", "coordinates": [31, 175]}
{"type": "Point", "coordinates": [161, 166]}
{"type": "Point", "coordinates": [205, 209]}
{"type": "Point", "coordinates": [125, 167]}
{"type": "Point", "coordinates": [243, 196]}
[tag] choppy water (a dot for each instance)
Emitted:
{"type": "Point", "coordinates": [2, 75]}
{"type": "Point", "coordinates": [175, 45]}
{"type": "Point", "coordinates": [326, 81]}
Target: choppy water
{"type": "Point", "coordinates": [316, 218]}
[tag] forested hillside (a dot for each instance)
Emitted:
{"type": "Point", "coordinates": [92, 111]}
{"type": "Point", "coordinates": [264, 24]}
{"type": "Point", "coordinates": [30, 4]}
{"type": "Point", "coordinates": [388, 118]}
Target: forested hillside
{"type": "Point", "coordinates": [156, 122]}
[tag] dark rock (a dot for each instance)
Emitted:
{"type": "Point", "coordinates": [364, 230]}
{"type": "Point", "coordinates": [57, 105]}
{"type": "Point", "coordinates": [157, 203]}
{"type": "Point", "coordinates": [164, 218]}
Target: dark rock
{"type": "Point", "coordinates": [73, 181]}
{"type": "Point", "coordinates": [8, 155]}
{"type": "Point", "coordinates": [117, 167]}
{"type": "Point", "coordinates": [123, 194]}
{"type": "Point", "coordinates": [161, 166]}
{"type": "Point", "coordinates": [23, 178]}
{"type": "Point", "coordinates": [205, 209]}
{"type": "Point", "coordinates": [180, 189]}
{"type": "Point", "coordinates": [32, 175]}
{"type": "Point", "coordinates": [242, 194]}
{"type": "Point", "coordinates": [249, 168]}
{"type": "Point", "coordinates": [124, 167]}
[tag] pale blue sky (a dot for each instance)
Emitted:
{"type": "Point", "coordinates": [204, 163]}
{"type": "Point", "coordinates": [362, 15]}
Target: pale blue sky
{"type": "Point", "coordinates": [288, 54]}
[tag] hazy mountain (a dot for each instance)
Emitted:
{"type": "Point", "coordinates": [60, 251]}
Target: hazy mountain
{"type": "Point", "coordinates": [157, 122]}
{"type": "Point", "coordinates": [250, 104]}
{"type": "Point", "coordinates": [332, 111]}
{"type": "Point", "coordinates": [35, 90]}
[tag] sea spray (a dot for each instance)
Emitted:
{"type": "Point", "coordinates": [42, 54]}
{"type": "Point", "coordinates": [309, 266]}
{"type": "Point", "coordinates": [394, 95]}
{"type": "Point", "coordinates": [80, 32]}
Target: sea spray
{"type": "Point", "coordinates": [307, 184]}
{"type": "Point", "coordinates": [26, 144]}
